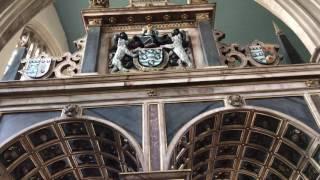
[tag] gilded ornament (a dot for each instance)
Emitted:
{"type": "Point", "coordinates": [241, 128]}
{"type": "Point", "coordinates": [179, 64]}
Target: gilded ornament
{"type": "Point", "coordinates": [112, 20]}
{"type": "Point", "coordinates": [202, 17]}
{"type": "Point", "coordinates": [184, 16]}
{"type": "Point", "coordinates": [166, 17]}
{"type": "Point", "coordinates": [148, 18]}
{"type": "Point", "coordinates": [95, 22]}
{"type": "Point", "coordinates": [130, 19]}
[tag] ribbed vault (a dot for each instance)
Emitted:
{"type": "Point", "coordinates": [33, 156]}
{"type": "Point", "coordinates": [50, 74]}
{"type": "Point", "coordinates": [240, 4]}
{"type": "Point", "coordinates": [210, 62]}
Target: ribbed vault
{"type": "Point", "coordinates": [248, 144]}
{"type": "Point", "coordinates": [68, 150]}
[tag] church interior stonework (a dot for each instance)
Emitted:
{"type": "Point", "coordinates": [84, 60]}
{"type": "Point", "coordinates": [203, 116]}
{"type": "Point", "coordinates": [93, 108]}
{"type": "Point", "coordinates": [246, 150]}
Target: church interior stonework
{"type": "Point", "coordinates": [160, 90]}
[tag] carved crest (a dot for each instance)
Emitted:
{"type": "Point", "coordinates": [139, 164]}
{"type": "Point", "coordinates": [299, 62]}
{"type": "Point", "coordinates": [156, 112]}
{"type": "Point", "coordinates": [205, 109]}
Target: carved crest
{"type": "Point", "coordinates": [264, 54]}
{"type": "Point", "coordinates": [150, 51]}
{"type": "Point", "coordinates": [37, 67]}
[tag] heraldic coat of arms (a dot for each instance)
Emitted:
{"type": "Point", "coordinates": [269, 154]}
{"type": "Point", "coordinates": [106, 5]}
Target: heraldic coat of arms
{"type": "Point", "coordinates": [149, 51]}
{"type": "Point", "coordinates": [37, 67]}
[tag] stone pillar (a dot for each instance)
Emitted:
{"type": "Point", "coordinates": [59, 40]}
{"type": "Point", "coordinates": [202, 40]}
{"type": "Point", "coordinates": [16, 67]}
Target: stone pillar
{"type": "Point", "coordinates": [153, 118]}
{"type": "Point", "coordinates": [12, 72]}
{"type": "Point", "coordinates": [91, 53]}
{"type": "Point", "coordinates": [208, 43]}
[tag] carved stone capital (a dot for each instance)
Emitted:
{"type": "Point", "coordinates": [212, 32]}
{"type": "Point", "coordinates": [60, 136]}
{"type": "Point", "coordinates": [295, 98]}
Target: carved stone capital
{"type": "Point", "coordinates": [71, 110]}
{"type": "Point", "coordinates": [235, 100]}
{"type": "Point", "coordinates": [99, 3]}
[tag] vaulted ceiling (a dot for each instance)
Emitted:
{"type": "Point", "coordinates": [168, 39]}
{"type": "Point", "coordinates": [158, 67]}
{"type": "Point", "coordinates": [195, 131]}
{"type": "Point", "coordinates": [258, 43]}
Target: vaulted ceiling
{"type": "Point", "coordinates": [242, 21]}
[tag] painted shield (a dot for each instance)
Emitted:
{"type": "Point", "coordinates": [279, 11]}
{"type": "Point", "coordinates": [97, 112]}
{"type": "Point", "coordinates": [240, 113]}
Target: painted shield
{"type": "Point", "coordinates": [262, 55]}
{"type": "Point", "coordinates": [37, 67]}
{"type": "Point", "coordinates": [152, 57]}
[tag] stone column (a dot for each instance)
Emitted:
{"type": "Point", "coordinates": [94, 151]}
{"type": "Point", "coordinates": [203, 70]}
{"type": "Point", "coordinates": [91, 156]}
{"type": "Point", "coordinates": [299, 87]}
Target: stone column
{"type": "Point", "coordinates": [208, 43]}
{"type": "Point", "coordinates": [91, 53]}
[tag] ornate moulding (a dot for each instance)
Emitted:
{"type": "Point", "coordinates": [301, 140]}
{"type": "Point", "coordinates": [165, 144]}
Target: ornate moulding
{"type": "Point", "coordinates": [115, 19]}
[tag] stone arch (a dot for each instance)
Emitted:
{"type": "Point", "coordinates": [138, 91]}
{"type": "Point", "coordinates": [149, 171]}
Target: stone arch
{"type": "Point", "coordinates": [16, 14]}
{"type": "Point", "coordinates": [76, 148]}
{"type": "Point", "coordinates": [245, 143]}
{"type": "Point", "coordinates": [45, 36]}
{"type": "Point", "coordinates": [300, 16]}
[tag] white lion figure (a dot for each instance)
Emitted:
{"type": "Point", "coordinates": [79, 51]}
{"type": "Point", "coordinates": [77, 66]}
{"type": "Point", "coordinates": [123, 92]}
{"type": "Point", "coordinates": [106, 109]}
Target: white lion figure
{"type": "Point", "coordinates": [122, 50]}
{"type": "Point", "coordinates": [178, 48]}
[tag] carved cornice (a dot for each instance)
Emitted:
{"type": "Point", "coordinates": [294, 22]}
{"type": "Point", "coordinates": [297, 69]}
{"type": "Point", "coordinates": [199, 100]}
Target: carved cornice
{"type": "Point", "coordinates": [152, 80]}
{"type": "Point", "coordinates": [157, 26]}
{"type": "Point", "coordinates": [134, 18]}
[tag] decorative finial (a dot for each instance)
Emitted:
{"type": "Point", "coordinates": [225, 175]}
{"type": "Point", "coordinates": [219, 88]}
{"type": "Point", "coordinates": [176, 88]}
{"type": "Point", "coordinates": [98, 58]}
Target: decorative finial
{"type": "Point", "coordinates": [99, 3]}
{"type": "Point", "coordinates": [276, 28]}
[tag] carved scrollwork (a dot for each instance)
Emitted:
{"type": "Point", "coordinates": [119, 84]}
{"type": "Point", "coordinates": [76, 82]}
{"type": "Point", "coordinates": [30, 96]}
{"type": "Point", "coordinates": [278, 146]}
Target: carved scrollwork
{"type": "Point", "coordinates": [45, 66]}
{"type": "Point", "coordinates": [255, 54]}
{"type": "Point", "coordinates": [67, 65]}
{"type": "Point", "coordinates": [70, 64]}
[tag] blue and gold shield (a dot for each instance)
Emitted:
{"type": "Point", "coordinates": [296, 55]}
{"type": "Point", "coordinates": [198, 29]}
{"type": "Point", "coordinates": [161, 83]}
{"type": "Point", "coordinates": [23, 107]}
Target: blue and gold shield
{"type": "Point", "coordinates": [37, 67]}
{"type": "Point", "coordinates": [151, 57]}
